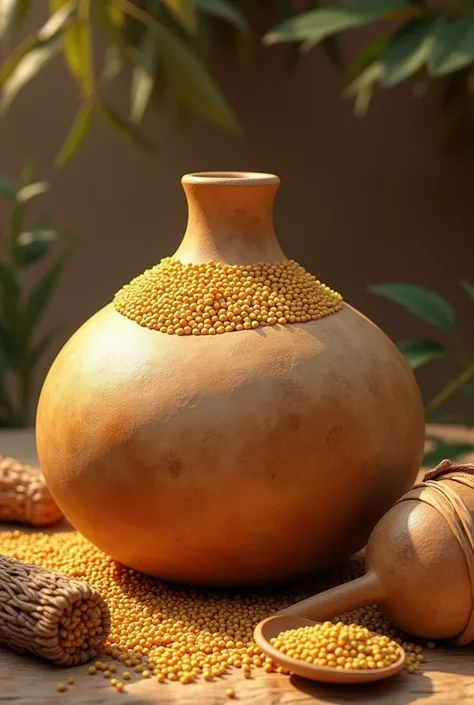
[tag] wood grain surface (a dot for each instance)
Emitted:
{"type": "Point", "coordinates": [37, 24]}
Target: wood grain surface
{"type": "Point", "coordinates": [447, 677]}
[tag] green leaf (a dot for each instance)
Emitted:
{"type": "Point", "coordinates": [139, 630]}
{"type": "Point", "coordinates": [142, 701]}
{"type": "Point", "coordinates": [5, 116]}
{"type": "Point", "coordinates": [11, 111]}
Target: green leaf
{"type": "Point", "coordinates": [41, 293]}
{"type": "Point", "coordinates": [363, 87]}
{"type": "Point", "coordinates": [113, 63]}
{"type": "Point", "coordinates": [443, 451]}
{"type": "Point", "coordinates": [225, 11]}
{"type": "Point", "coordinates": [125, 127]}
{"type": "Point", "coordinates": [469, 288]}
{"type": "Point", "coordinates": [7, 345]}
{"type": "Point", "coordinates": [453, 45]}
{"type": "Point", "coordinates": [26, 193]}
{"type": "Point", "coordinates": [34, 244]}
{"type": "Point", "coordinates": [407, 51]}
{"type": "Point", "coordinates": [12, 14]}
{"type": "Point", "coordinates": [424, 303]}
{"type": "Point", "coordinates": [190, 82]}
{"type": "Point", "coordinates": [9, 293]}
{"type": "Point", "coordinates": [26, 176]}
{"type": "Point", "coordinates": [38, 350]}
{"type": "Point", "coordinates": [419, 352]}
{"type": "Point", "coordinates": [316, 25]}
{"type": "Point", "coordinates": [184, 11]}
{"type": "Point", "coordinates": [79, 130]}
{"type": "Point", "coordinates": [143, 77]}
{"type": "Point", "coordinates": [467, 391]}
{"type": "Point", "coordinates": [33, 55]}
{"type": "Point", "coordinates": [7, 190]}
{"type": "Point", "coordinates": [77, 43]}
{"type": "Point", "coordinates": [366, 57]}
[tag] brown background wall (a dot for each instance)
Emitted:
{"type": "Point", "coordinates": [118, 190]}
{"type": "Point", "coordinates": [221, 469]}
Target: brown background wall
{"type": "Point", "coordinates": [361, 201]}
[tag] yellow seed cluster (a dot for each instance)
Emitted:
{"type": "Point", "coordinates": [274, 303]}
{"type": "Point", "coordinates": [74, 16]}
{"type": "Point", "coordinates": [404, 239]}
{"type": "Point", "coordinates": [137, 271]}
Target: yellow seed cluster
{"type": "Point", "coordinates": [340, 646]}
{"type": "Point", "coordinates": [214, 298]}
{"type": "Point", "coordinates": [372, 618]}
{"type": "Point", "coordinates": [164, 632]}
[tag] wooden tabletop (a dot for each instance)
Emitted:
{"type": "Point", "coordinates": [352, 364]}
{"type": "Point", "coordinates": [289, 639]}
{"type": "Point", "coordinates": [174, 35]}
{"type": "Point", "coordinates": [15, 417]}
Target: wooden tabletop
{"type": "Point", "coordinates": [447, 677]}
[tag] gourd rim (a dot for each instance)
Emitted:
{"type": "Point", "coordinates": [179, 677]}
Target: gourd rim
{"type": "Point", "coordinates": [230, 178]}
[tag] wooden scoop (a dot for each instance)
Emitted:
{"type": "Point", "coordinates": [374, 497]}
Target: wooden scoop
{"type": "Point", "coordinates": [420, 571]}
{"type": "Point", "coordinates": [271, 627]}
{"type": "Point", "coordinates": [419, 562]}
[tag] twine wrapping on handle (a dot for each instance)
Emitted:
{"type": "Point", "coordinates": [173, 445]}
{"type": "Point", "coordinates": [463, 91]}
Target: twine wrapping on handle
{"type": "Point", "coordinates": [444, 498]}
{"type": "Point", "coordinates": [50, 614]}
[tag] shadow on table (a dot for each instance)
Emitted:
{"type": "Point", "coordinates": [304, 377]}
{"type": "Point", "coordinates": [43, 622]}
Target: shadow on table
{"type": "Point", "coordinates": [400, 690]}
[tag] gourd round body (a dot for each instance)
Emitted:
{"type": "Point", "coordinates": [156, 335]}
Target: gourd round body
{"type": "Point", "coordinates": [421, 569]}
{"type": "Point", "coordinates": [253, 456]}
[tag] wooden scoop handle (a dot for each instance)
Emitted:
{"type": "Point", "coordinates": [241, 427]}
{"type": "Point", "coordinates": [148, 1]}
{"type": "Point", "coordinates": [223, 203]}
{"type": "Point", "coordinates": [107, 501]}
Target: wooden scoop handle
{"type": "Point", "coordinates": [327, 605]}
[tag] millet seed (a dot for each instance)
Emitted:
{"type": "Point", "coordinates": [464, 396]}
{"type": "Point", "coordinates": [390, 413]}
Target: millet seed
{"type": "Point", "coordinates": [176, 633]}
{"type": "Point", "coordinates": [214, 298]}
{"type": "Point", "coordinates": [339, 646]}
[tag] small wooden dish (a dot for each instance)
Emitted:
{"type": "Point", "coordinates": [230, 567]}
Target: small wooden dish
{"type": "Point", "coordinates": [271, 627]}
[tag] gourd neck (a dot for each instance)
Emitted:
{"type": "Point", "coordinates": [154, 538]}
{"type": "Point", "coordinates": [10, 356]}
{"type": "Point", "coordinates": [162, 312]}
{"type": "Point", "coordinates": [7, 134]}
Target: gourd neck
{"type": "Point", "coordinates": [230, 218]}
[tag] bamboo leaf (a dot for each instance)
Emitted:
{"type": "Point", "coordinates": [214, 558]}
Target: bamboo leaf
{"type": "Point", "coordinates": [316, 25]}
{"type": "Point", "coordinates": [428, 305]}
{"type": "Point", "coordinates": [8, 190]}
{"type": "Point", "coordinates": [224, 10]}
{"type": "Point", "coordinates": [77, 44]}
{"type": "Point", "coordinates": [185, 13]}
{"type": "Point", "coordinates": [79, 130]}
{"type": "Point", "coordinates": [26, 193]}
{"type": "Point", "coordinates": [419, 352]}
{"type": "Point", "coordinates": [41, 293]}
{"type": "Point", "coordinates": [190, 82]}
{"type": "Point", "coordinates": [12, 14]}
{"type": "Point", "coordinates": [407, 51]}
{"type": "Point", "coordinates": [33, 55]}
{"type": "Point", "coordinates": [453, 45]}
{"type": "Point", "coordinates": [444, 451]}
{"type": "Point", "coordinates": [125, 127]}
{"type": "Point", "coordinates": [366, 57]}
{"type": "Point", "coordinates": [469, 288]}
{"type": "Point", "coordinates": [34, 244]}
{"type": "Point", "coordinates": [38, 350]}
{"type": "Point", "coordinates": [143, 77]}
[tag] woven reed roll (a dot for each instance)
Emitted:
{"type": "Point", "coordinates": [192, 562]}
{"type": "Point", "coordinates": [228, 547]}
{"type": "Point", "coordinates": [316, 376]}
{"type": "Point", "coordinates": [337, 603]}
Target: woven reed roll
{"type": "Point", "coordinates": [24, 496]}
{"type": "Point", "coordinates": [50, 614]}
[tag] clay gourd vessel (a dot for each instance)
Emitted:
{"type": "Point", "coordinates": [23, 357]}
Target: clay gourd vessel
{"type": "Point", "coordinates": [253, 456]}
{"type": "Point", "coordinates": [419, 561]}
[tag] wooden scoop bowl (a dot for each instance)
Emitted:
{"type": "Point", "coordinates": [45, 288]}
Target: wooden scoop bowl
{"type": "Point", "coordinates": [271, 627]}
{"type": "Point", "coordinates": [419, 562]}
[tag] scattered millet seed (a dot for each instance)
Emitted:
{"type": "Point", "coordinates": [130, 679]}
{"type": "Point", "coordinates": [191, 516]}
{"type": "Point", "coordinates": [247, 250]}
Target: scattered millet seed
{"type": "Point", "coordinates": [339, 646]}
{"type": "Point", "coordinates": [230, 693]}
{"type": "Point", "coordinates": [176, 632]}
{"type": "Point", "coordinates": [146, 673]}
{"type": "Point", "coordinates": [71, 680]}
{"type": "Point", "coordinates": [61, 687]}
{"type": "Point", "coordinates": [214, 298]}
{"type": "Point", "coordinates": [113, 681]}
{"type": "Point", "coordinates": [120, 687]}
{"type": "Point", "coordinates": [126, 676]}
{"type": "Point", "coordinates": [106, 674]}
